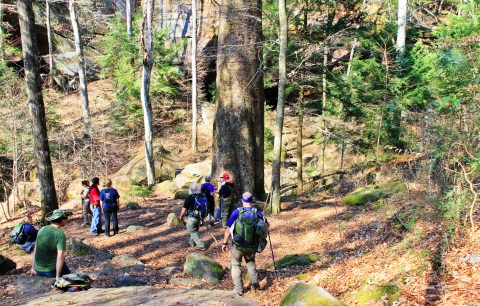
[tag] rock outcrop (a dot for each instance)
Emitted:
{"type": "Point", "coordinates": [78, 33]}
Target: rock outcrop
{"type": "Point", "coordinates": [302, 294]}
{"type": "Point", "coordinates": [203, 267]}
{"type": "Point", "coordinates": [373, 193]}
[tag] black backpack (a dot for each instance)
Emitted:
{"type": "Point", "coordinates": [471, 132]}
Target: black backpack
{"type": "Point", "coordinates": [199, 206]}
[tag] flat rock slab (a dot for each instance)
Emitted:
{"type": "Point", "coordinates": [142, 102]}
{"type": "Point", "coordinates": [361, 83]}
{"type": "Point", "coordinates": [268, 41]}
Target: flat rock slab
{"type": "Point", "coordinates": [144, 295]}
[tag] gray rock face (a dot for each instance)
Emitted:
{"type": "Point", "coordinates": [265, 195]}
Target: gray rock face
{"type": "Point", "coordinates": [125, 281]}
{"type": "Point", "coordinates": [6, 264]}
{"type": "Point", "coordinates": [173, 221]}
{"type": "Point", "coordinates": [302, 294]}
{"type": "Point", "coordinates": [203, 267]}
{"type": "Point", "coordinates": [143, 295]}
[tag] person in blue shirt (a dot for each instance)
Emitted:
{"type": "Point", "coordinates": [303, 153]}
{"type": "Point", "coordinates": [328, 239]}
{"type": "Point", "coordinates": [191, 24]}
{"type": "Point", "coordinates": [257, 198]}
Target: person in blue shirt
{"type": "Point", "coordinates": [110, 202]}
{"type": "Point", "coordinates": [209, 191]}
{"type": "Point", "coordinates": [238, 252]}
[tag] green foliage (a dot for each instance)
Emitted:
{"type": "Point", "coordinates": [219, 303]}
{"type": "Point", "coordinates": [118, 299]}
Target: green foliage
{"type": "Point", "coordinates": [268, 140]}
{"type": "Point", "coordinates": [139, 191]}
{"type": "Point", "coordinates": [122, 61]}
{"type": "Point", "coordinates": [372, 293]}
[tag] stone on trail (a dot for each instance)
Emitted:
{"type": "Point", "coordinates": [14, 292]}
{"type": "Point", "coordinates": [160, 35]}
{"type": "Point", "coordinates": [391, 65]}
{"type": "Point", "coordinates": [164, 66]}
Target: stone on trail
{"type": "Point", "coordinates": [76, 246]}
{"type": "Point", "coordinates": [171, 270]}
{"type": "Point", "coordinates": [132, 206]}
{"type": "Point", "coordinates": [295, 260]}
{"type": "Point", "coordinates": [373, 193]}
{"type": "Point", "coordinates": [173, 221]}
{"type": "Point", "coordinates": [142, 295]}
{"type": "Point", "coordinates": [125, 281]}
{"type": "Point", "coordinates": [126, 260]}
{"type": "Point", "coordinates": [135, 228]}
{"type": "Point", "coordinates": [203, 267]}
{"type": "Point", "coordinates": [6, 264]}
{"type": "Point", "coordinates": [302, 294]}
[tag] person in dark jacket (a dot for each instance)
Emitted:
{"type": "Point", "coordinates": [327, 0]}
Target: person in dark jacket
{"type": "Point", "coordinates": [226, 197]}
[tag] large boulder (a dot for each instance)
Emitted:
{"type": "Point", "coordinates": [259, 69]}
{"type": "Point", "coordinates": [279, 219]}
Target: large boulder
{"type": "Point", "coordinates": [28, 192]}
{"type": "Point", "coordinates": [77, 247]}
{"type": "Point", "coordinates": [165, 189]}
{"type": "Point", "coordinates": [203, 267]}
{"type": "Point", "coordinates": [126, 260]}
{"type": "Point", "coordinates": [6, 264]}
{"type": "Point", "coordinates": [372, 193]}
{"type": "Point", "coordinates": [193, 173]}
{"type": "Point", "coordinates": [135, 171]}
{"type": "Point", "coordinates": [302, 294]}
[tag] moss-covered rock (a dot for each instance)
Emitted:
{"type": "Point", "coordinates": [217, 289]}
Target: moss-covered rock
{"type": "Point", "coordinates": [6, 264]}
{"type": "Point", "coordinates": [173, 221]}
{"type": "Point", "coordinates": [295, 260]}
{"type": "Point", "coordinates": [375, 293]}
{"type": "Point", "coordinates": [302, 294]}
{"type": "Point", "coordinates": [203, 267]}
{"type": "Point", "coordinates": [372, 193]}
{"type": "Point", "coordinates": [181, 194]}
{"type": "Point", "coordinates": [76, 247]}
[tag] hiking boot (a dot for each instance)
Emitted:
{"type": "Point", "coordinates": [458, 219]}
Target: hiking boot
{"type": "Point", "coordinates": [200, 248]}
{"type": "Point", "coordinates": [255, 287]}
{"type": "Point", "coordinates": [94, 234]}
{"type": "Point", "coordinates": [237, 292]}
{"type": "Point", "coordinates": [107, 235]}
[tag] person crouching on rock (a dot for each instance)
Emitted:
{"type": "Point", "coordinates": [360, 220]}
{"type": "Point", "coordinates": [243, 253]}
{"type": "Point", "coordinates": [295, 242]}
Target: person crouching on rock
{"type": "Point", "coordinates": [50, 250]}
{"type": "Point", "coordinates": [110, 201]}
{"type": "Point", "coordinates": [193, 222]}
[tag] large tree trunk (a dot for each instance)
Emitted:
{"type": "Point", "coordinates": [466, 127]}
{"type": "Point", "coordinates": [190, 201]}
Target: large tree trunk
{"type": "Point", "coordinates": [238, 126]}
{"type": "Point", "coordinates": [194, 77]}
{"type": "Point", "coordinates": [324, 105]}
{"type": "Point", "coordinates": [81, 69]}
{"type": "Point", "coordinates": [128, 8]}
{"type": "Point", "coordinates": [282, 69]}
{"type": "Point", "coordinates": [147, 47]}
{"type": "Point", "coordinates": [48, 195]}
{"type": "Point", "coordinates": [50, 43]}
{"type": "Point", "coordinates": [2, 53]}
{"type": "Point", "coordinates": [402, 25]}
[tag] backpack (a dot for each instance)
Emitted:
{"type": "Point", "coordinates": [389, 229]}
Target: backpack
{"type": "Point", "coordinates": [22, 233]}
{"type": "Point", "coordinates": [245, 229]}
{"type": "Point", "coordinates": [200, 206]}
{"type": "Point", "coordinates": [76, 280]}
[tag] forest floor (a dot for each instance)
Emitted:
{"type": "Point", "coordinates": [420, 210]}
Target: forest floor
{"type": "Point", "coordinates": [370, 255]}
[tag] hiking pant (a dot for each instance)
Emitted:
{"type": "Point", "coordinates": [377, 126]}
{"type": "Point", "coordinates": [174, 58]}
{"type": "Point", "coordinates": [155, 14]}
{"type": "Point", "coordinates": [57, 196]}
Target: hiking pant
{"type": "Point", "coordinates": [226, 210]}
{"type": "Point", "coordinates": [193, 225]}
{"type": "Point", "coordinates": [65, 270]}
{"type": "Point", "coordinates": [96, 226]}
{"type": "Point", "coordinates": [86, 211]}
{"type": "Point", "coordinates": [237, 273]}
{"type": "Point", "coordinates": [113, 213]}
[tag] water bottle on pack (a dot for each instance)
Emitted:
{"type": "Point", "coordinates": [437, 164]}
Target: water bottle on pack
{"type": "Point", "coordinates": [72, 289]}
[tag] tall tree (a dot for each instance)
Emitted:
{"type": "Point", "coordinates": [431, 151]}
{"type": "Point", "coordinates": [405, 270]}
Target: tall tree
{"type": "Point", "coordinates": [128, 8]}
{"type": "Point", "coordinates": [48, 195]}
{"type": "Point", "coordinates": [2, 52]}
{"type": "Point", "coordinates": [282, 69]}
{"type": "Point", "coordinates": [81, 69]}
{"type": "Point", "coordinates": [50, 42]}
{"type": "Point", "coordinates": [239, 119]}
{"type": "Point", "coordinates": [194, 77]}
{"type": "Point", "coordinates": [147, 47]}
{"type": "Point", "coordinates": [402, 25]}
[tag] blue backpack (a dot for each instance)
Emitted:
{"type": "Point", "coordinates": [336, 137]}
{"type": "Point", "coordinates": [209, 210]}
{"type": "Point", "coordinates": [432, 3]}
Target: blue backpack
{"type": "Point", "coordinates": [200, 206]}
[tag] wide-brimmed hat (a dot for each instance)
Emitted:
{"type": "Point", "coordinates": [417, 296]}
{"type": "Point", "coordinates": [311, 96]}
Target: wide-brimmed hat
{"type": "Point", "coordinates": [57, 214]}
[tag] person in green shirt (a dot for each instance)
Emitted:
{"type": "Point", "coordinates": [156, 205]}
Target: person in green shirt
{"type": "Point", "coordinates": [49, 254]}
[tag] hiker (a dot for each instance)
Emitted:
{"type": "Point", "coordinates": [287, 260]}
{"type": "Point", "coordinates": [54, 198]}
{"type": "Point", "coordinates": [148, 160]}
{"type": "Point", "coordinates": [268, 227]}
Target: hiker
{"type": "Point", "coordinates": [240, 247]}
{"type": "Point", "coordinates": [84, 194]}
{"type": "Point", "coordinates": [209, 191]}
{"type": "Point", "coordinates": [50, 250]}
{"type": "Point", "coordinates": [94, 194]}
{"type": "Point", "coordinates": [192, 201]}
{"type": "Point", "coordinates": [110, 201]}
{"type": "Point", "coordinates": [226, 194]}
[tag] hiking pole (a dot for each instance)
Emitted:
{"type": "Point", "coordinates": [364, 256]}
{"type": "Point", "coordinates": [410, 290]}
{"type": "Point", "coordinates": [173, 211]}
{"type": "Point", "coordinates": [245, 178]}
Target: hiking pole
{"type": "Point", "coordinates": [271, 247]}
{"type": "Point", "coordinates": [210, 232]}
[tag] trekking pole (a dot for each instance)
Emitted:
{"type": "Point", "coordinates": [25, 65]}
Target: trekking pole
{"type": "Point", "coordinates": [210, 232]}
{"type": "Point", "coordinates": [271, 247]}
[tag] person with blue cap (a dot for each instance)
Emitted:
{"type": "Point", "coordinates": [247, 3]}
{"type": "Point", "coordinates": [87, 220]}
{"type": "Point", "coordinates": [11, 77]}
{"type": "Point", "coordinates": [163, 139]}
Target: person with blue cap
{"type": "Point", "coordinates": [245, 218]}
{"type": "Point", "coordinates": [50, 250]}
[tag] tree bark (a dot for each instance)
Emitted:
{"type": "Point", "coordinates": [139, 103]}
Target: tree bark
{"type": "Point", "coordinates": [324, 105]}
{"type": "Point", "coordinates": [402, 25]}
{"type": "Point", "coordinates": [81, 69]}
{"type": "Point", "coordinates": [194, 77]}
{"type": "Point", "coordinates": [48, 195]}
{"type": "Point", "coordinates": [2, 52]}
{"type": "Point", "coordinates": [128, 8]}
{"type": "Point", "coordinates": [239, 119]}
{"type": "Point", "coordinates": [147, 47]}
{"type": "Point", "coordinates": [282, 71]}
{"type": "Point", "coordinates": [300, 144]}
{"type": "Point", "coordinates": [50, 43]}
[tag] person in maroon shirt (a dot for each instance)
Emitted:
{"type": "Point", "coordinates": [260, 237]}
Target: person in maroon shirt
{"type": "Point", "coordinates": [96, 226]}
